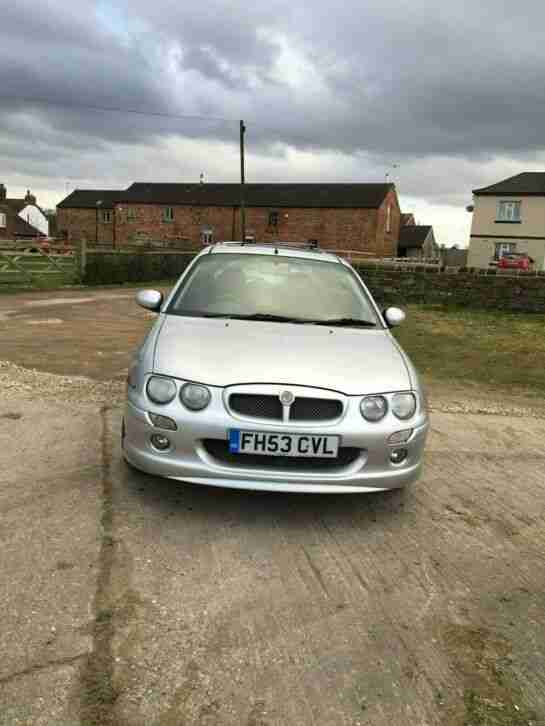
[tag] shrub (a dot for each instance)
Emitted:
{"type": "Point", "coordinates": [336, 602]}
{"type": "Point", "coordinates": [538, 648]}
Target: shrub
{"type": "Point", "coordinates": [114, 268]}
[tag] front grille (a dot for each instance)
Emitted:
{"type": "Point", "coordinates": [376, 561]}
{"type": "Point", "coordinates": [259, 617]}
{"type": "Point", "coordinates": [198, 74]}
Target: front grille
{"type": "Point", "coordinates": [219, 449]}
{"type": "Point", "coordinates": [256, 406]}
{"type": "Point", "coordinates": [315, 409]}
{"type": "Point", "coordinates": [269, 407]}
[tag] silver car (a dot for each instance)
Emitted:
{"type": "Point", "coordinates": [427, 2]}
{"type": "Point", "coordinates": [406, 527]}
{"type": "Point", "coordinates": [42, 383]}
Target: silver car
{"type": "Point", "coordinates": [271, 368]}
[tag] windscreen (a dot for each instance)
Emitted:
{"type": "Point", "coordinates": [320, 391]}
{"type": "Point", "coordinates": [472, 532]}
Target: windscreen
{"type": "Point", "coordinates": [292, 287]}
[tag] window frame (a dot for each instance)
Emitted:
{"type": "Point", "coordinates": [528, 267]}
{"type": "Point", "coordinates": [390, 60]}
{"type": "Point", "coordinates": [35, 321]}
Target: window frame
{"type": "Point", "coordinates": [274, 218]}
{"type": "Point", "coordinates": [514, 205]}
{"type": "Point", "coordinates": [389, 219]}
{"type": "Point", "coordinates": [168, 214]}
{"type": "Point", "coordinates": [499, 250]}
{"type": "Point", "coordinates": [207, 237]}
{"type": "Point", "coordinates": [106, 216]}
{"type": "Point", "coordinates": [131, 214]}
{"type": "Point", "coordinates": [3, 220]}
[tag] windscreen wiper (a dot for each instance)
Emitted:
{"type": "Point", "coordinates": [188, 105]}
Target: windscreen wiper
{"type": "Point", "coordinates": [348, 322]}
{"type": "Point", "coordinates": [268, 317]}
{"type": "Point", "coordinates": [265, 317]}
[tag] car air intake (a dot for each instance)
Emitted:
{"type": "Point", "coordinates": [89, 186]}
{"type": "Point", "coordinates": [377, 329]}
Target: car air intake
{"type": "Point", "coordinates": [315, 409]}
{"type": "Point", "coordinates": [269, 407]}
{"type": "Point", "coordinates": [256, 406]}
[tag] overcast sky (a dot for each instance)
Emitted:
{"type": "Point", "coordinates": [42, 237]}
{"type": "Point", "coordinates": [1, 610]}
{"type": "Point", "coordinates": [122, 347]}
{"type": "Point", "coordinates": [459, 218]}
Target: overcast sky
{"type": "Point", "coordinates": [444, 97]}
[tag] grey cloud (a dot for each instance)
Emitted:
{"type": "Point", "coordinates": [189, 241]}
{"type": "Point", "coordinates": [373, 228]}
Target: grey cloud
{"type": "Point", "coordinates": [439, 89]}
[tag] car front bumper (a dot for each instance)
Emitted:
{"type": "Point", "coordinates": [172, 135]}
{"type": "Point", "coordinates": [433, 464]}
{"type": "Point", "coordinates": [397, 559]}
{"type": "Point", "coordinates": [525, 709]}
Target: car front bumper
{"type": "Point", "coordinates": [190, 460]}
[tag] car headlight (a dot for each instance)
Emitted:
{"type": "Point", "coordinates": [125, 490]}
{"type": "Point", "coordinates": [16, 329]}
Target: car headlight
{"type": "Point", "coordinates": [161, 390]}
{"type": "Point", "coordinates": [194, 396]}
{"type": "Point", "coordinates": [404, 405]}
{"type": "Point", "coordinates": [373, 408]}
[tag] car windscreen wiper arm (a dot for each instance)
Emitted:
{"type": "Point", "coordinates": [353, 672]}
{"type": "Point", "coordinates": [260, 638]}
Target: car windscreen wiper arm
{"type": "Point", "coordinates": [270, 317]}
{"type": "Point", "coordinates": [355, 322]}
{"type": "Point", "coordinates": [265, 317]}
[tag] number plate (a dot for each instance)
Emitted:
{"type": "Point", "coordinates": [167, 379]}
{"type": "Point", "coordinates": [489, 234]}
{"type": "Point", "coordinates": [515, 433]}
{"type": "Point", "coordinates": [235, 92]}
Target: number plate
{"type": "Point", "coordinates": [303, 445]}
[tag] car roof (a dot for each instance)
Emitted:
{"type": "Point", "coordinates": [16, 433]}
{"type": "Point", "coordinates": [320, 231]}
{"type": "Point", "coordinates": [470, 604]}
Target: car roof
{"type": "Point", "coordinates": [283, 249]}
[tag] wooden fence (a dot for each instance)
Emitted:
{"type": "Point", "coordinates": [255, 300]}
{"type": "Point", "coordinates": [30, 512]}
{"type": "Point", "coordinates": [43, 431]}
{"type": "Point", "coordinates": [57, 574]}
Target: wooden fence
{"type": "Point", "coordinates": [40, 263]}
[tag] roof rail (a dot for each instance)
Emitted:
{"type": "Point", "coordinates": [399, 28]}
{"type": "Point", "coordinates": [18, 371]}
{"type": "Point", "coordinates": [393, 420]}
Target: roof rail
{"type": "Point", "coordinates": [310, 245]}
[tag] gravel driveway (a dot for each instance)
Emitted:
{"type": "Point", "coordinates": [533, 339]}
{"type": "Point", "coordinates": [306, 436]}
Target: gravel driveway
{"type": "Point", "coordinates": [135, 601]}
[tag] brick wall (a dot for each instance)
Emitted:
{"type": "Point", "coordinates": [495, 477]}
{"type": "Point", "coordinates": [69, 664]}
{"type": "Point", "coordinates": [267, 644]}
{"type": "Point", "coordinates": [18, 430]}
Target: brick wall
{"type": "Point", "coordinates": [386, 242]}
{"type": "Point", "coordinates": [355, 229]}
{"type": "Point", "coordinates": [499, 292]}
{"type": "Point", "coordinates": [79, 224]}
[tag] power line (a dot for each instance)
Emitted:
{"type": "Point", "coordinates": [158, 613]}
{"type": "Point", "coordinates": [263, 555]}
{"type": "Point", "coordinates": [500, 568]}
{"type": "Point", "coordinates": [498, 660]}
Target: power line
{"type": "Point", "coordinates": [114, 109]}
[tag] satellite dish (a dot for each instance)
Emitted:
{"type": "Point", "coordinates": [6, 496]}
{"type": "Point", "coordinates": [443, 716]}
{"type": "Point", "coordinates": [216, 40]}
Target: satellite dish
{"type": "Point", "coordinates": [470, 208]}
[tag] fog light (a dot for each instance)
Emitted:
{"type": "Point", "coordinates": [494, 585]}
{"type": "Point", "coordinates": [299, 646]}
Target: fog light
{"type": "Point", "coordinates": [160, 442]}
{"type": "Point", "coordinates": [162, 422]}
{"type": "Point", "coordinates": [400, 437]}
{"type": "Point", "coordinates": [397, 456]}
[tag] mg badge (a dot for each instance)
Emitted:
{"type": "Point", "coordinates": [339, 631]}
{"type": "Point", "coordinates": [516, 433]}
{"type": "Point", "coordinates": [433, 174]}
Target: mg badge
{"type": "Point", "coordinates": [287, 398]}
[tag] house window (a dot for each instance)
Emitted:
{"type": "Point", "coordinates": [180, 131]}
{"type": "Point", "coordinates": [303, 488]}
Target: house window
{"type": "Point", "coordinates": [168, 214]}
{"type": "Point", "coordinates": [273, 219]}
{"type": "Point", "coordinates": [388, 219]}
{"type": "Point", "coordinates": [2, 220]}
{"type": "Point", "coordinates": [207, 236]}
{"type": "Point", "coordinates": [106, 215]}
{"type": "Point", "coordinates": [131, 214]}
{"type": "Point", "coordinates": [508, 212]}
{"type": "Point", "coordinates": [504, 248]}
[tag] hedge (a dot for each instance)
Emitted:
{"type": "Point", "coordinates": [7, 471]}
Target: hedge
{"type": "Point", "coordinates": [105, 268]}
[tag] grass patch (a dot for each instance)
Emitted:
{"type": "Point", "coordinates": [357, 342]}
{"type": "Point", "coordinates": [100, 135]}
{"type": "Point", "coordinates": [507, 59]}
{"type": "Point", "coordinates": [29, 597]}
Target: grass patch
{"type": "Point", "coordinates": [502, 350]}
{"type": "Point", "coordinates": [481, 711]}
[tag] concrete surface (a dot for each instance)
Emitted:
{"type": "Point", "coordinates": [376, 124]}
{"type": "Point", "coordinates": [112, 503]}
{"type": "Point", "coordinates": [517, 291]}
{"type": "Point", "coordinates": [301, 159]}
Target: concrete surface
{"type": "Point", "coordinates": [50, 481]}
{"type": "Point", "coordinates": [73, 332]}
{"type": "Point", "coordinates": [130, 600]}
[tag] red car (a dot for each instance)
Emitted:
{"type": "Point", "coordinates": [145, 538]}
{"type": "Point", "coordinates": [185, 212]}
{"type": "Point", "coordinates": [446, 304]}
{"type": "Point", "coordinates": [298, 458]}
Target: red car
{"type": "Point", "coordinates": [515, 261]}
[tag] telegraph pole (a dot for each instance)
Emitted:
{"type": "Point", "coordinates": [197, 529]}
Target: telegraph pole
{"type": "Point", "coordinates": [242, 207]}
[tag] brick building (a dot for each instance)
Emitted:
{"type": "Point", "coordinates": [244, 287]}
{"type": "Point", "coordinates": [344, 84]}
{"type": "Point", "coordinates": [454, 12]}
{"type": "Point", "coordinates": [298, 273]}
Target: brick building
{"type": "Point", "coordinates": [338, 216]}
{"type": "Point", "coordinates": [21, 218]}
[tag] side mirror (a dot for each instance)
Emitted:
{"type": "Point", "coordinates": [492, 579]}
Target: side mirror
{"type": "Point", "coordinates": [150, 299]}
{"type": "Point", "coordinates": [394, 317]}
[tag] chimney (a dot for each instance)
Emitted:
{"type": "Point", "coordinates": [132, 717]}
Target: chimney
{"type": "Point", "coordinates": [30, 198]}
{"type": "Point", "coordinates": [2, 193]}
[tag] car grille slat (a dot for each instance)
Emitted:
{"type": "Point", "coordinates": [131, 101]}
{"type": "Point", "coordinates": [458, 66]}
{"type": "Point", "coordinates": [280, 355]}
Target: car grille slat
{"type": "Point", "coordinates": [315, 409]}
{"type": "Point", "coordinates": [219, 449]}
